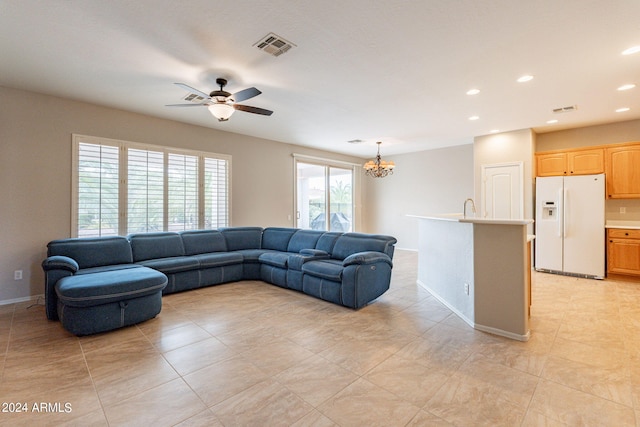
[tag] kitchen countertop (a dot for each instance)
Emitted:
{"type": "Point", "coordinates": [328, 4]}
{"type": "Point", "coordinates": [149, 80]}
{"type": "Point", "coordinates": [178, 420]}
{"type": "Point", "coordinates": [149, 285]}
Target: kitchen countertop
{"type": "Point", "coordinates": [622, 224]}
{"type": "Point", "coordinates": [458, 217]}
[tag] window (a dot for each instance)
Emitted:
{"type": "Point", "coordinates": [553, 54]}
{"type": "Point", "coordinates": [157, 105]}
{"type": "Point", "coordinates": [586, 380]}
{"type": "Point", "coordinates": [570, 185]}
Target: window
{"type": "Point", "coordinates": [122, 188]}
{"type": "Point", "coordinates": [325, 196]}
{"type": "Point", "coordinates": [96, 177]}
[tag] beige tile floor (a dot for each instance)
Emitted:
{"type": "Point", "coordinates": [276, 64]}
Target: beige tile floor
{"type": "Point", "coordinates": [252, 354]}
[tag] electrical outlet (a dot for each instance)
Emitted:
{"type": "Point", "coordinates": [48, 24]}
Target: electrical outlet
{"type": "Point", "coordinates": [623, 210]}
{"type": "Point", "coordinates": [17, 275]}
{"type": "Point", "coordinates": [466, 288]}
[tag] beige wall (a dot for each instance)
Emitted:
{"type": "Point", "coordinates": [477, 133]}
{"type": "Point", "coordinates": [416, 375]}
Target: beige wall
{"type": "Point", "coordinates": [35, 173]}
{"type": "Point", "coordinates": [424, 183]}
{"type": "Point", "coordinates": [589, 135]}
{"type": "Point", "coordinates": [612, 133]}
{"type": "Point", "coordinates": [516, 146]}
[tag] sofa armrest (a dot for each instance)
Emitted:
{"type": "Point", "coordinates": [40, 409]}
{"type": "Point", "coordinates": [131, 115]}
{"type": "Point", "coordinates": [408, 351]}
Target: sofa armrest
{"type": "Point", "coordinates": [55, 268]}
{"type": "Point", "coordinates": [59, 262]}
{"type": "Point", "coordinates": [365, 258]}
{"type": "Point", "coordinates": [296, 261]}
{"type": "Point", "coordinates": [314, 252]}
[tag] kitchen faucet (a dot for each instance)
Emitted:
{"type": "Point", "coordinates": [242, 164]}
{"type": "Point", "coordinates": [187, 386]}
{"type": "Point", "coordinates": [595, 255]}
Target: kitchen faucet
{"type": "Point", "coordinates": [464, 208]}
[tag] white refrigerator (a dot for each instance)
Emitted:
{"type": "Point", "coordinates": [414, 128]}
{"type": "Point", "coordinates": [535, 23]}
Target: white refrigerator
{"type": "Point", "coordinates": [569, 226]}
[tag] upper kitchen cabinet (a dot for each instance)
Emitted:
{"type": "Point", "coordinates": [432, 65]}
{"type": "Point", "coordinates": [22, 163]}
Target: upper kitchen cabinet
{"type": "Point", "coordinates": [570, 162]}
{"type": "Point", "coordinates": [623, 172]}
{"type": "Point", "coordinates": [552, 164]}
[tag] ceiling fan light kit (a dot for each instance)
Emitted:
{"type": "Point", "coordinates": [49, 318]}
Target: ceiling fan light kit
{"type": "Point", "coordinates": [222, 104]}
{"type": "Point", "coordinates": [379, 168]}
{"type": "Point", "coordinates": [221, 111]}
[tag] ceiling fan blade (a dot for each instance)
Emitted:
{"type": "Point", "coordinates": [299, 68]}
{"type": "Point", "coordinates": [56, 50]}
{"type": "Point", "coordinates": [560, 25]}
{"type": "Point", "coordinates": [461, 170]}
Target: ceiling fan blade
{"type": "Point", "coordinates": [187, 105]}
{"type": "Point", "coordinates": [254, 110]}
{"type": "Point", "coordinates": [192, 90]}
{"type": "Point", "coordinates": [245, 94]}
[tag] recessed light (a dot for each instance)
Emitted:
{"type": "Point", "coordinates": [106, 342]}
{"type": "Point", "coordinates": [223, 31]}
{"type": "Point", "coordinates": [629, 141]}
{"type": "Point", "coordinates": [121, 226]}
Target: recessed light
{"type": "Point", "coordinates": [631, 50]}
{"type": "Point", "coordinates": [473, 91]}
{"type": "Point", "coordinates": [627, 87]}
{"type": "Point", "coordinates": [623, 109]}
{"type": "Point", "coordinates": [474, 117]}
{"type": "Point", "coordinates": [551, 122]}
{"type": "Point", "coordinates": [525, 78]}
{"type": "Point", "coordinates": [494, 131]}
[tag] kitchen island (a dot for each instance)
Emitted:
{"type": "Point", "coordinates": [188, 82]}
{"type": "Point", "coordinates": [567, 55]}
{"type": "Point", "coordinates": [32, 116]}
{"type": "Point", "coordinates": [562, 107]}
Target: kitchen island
{"type": "Point", "coordinates": [480, 269]}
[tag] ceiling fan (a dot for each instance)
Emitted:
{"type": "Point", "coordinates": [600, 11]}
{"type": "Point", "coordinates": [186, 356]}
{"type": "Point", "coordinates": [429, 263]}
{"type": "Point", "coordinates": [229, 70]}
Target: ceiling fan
{"type": "Point", "coordinates": [221, 103]}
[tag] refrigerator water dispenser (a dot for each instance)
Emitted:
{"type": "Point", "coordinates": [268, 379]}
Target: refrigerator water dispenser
{"type": "Point", "coordinates": [549, 210]}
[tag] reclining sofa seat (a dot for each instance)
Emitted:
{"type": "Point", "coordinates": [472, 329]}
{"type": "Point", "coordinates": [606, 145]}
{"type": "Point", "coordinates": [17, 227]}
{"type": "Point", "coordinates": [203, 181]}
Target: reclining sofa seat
{"type": "Point", "coordinates": [189, 259]}
{"type": "Point", "coordinates": [284, 268]}
{"type": "Point", "coordinates": [357, 271]}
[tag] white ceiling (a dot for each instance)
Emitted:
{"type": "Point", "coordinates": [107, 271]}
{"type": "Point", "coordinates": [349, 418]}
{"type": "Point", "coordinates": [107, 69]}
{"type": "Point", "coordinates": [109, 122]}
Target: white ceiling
{"type": "Point", "coordinates": [390, 70]}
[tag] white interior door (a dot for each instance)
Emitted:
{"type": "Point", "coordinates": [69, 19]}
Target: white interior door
{"type": "Point", "coordinates": [502, 191]}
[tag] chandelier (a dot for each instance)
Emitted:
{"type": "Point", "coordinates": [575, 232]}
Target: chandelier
{"type": "Point", "coordinates": [379, 168]}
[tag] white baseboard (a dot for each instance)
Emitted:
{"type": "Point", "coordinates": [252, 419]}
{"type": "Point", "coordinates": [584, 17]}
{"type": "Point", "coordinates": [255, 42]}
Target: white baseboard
{"type": "Point", "coordinates": [407, 249]}
{"type": "Point", "coordinates": [23, 299]}
{"type": "Point", "coordinates": [472, 323]}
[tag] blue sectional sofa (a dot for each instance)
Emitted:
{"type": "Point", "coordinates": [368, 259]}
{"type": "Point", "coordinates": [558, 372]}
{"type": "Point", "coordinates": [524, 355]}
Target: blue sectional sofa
{"type": "Point", "coordinates": [98, 284]}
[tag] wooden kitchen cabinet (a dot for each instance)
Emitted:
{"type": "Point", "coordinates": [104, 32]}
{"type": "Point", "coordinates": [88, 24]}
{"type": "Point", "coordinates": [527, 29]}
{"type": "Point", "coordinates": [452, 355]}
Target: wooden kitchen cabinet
{"type": "Point", "coordinates": [574, 162]}
{"type": "Point", "coordinates": [623, 251]}
{"type": "Point", "coordinates": [586, 162]}
{"type": "Point", "coordinates": [552, 164]}
{"type": "Point", "coordinates": [623, 172]}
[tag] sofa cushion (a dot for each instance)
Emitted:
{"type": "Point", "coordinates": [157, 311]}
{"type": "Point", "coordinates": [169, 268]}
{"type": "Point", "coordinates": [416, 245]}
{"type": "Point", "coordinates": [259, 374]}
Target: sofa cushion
{"type": "Point", "coordinates": [93, 252]}
{"type": "Point", "coordinates": [252, 255]}
{"type": "Point", "coordinates": [351, 243]}
{"type": "Point", "coordinates": [155, 245]}
{"type": "Point", "coordinates": [106, 268]}
{"type": "Point", "coordinates": [239, 238]}
{"type": "Point", "coordinates": [304, 239]}
{"type": "Point", "coordinates": [109, 286]}
{"type": "Point", "coordinates": [327, 241]}
{"type": "Point", "coordinates": [277, 238]}
{"type": "Point", "coordinates": [276, 259]}
{"type": "Point", "coordinates": [329, 269]}
{"type": "Point", "coordinates": [171, 265]}
{"type": "Point", "coordinates": [203, 241]}
{"type": "Point", "coordinates": [218, 259]}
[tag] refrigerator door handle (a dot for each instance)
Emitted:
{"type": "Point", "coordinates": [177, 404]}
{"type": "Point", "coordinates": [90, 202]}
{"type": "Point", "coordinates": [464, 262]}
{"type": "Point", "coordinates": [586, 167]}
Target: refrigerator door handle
{"type": "Point", "coordinates": [561, 209]}
{"type": "Point", "coordinates": [565, 208]}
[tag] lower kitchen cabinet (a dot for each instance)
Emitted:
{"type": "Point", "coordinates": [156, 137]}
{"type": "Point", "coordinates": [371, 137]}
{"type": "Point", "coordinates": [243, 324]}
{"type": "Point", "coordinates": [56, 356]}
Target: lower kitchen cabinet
{"type": "Point", "coordinates": [623, 251]}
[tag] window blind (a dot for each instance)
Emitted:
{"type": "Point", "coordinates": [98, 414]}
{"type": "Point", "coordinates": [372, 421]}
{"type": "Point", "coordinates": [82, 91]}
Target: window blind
{"type": "Point", "coordinates": [123, 188]}
{"type": "Point", "coordinates": [145, 191]}
{"type": "Point", "coordinates": [97, 190]}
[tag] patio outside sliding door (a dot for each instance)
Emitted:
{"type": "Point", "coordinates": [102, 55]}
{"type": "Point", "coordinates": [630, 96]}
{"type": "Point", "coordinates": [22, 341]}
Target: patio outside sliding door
{"type": "Point", "coordinates": [324, 197]}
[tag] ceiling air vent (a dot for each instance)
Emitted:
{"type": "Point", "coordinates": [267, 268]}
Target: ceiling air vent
{"type": "Point", "coordinates": [192, 97]}
{"type": "Point", "coordinates": [567, 109]}
{"type": "Point", "coordinates": [274, 45]}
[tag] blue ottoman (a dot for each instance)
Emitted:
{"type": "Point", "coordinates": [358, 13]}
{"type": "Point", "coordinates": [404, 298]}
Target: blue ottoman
{"type": "Point", "coordinates": [105, 300]}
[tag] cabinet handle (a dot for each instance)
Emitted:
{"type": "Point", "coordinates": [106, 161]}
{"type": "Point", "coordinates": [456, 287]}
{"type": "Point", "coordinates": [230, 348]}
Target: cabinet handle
{"type": "Point", "coordinates": [626, 234]}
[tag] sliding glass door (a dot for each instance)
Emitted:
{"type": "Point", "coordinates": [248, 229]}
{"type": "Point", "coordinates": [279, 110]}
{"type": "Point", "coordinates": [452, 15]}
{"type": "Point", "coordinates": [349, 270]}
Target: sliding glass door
{"type": "Point", "coordinates": [324, 197]}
